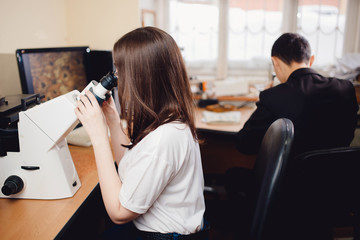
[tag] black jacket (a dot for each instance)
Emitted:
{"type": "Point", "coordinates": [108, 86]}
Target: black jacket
{"type": "Point", "coordinates": [323, 111]}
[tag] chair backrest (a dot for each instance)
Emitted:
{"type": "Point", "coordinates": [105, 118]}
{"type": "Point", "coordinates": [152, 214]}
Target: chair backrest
{"type": "Point", "coordinates": [325, 188]}
{"type": "Point", "coordinates": [333, 171]}
{"type": "Point", "coordinates": [269, 170]}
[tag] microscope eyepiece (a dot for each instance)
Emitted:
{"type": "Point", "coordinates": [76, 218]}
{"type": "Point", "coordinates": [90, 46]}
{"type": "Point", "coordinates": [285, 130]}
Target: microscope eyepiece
{"type": "Point", "coordinates": [109, 81]}
{"type": "Point", "coordinates": [101, 89]}
{"type": "Point", "coordinates": [106, 84]}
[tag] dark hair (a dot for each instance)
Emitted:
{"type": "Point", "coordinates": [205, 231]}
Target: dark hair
{"type": "Point", "coordinates": [291, 47]}
{"type": "Point", "coordinates": [153, 86]}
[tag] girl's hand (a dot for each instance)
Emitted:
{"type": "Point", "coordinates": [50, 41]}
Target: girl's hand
{"type": "Point", "coordinates": [92, 118]}
{"type": "Point", "coordinates": [111, 114]}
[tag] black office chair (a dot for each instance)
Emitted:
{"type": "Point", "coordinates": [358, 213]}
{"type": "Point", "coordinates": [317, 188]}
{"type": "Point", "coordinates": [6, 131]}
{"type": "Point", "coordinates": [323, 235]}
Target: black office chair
{"type": "Point", "coordinates": [246, 211]}
{"type": "Point", "coordinates": [322, 194]}
{"type": "Point", "coordinates": [269, 172]}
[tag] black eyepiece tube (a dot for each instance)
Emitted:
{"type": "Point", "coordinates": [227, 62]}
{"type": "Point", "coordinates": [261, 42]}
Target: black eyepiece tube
{"type": "Point", "coordinates": [109, 81]}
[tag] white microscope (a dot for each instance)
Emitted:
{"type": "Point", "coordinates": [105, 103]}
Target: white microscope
{"type": "Point", "coordinates": [43, 168]}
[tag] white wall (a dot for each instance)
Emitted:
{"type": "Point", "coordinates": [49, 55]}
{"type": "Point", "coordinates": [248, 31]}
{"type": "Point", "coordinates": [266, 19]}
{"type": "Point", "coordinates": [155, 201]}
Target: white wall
{"type": "Point", "coordinates": [54, 23]}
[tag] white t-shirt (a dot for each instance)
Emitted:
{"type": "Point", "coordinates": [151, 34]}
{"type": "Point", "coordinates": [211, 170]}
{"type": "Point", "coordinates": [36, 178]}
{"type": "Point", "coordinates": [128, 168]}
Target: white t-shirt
{"type": "Point", "coordinates": [163, 181]}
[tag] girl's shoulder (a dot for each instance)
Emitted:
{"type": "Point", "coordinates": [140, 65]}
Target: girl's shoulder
{"type": "Point", "coordinates": [170, 135]}
{"type": "Point", "coordinates": [172, 130]}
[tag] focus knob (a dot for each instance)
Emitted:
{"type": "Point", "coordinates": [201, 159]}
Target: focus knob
{"type": "Point", "coordinates": [12, 185]}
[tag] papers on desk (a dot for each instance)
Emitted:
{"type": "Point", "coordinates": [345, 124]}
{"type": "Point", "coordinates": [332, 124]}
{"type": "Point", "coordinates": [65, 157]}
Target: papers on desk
{"type": "Point", "coordinates": [221, 117]}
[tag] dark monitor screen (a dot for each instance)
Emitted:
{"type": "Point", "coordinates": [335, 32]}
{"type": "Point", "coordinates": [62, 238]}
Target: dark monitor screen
{"type": "Point", "coordinates": [101, 62]}
{"type": "Point", "coordinates": [53, 71]}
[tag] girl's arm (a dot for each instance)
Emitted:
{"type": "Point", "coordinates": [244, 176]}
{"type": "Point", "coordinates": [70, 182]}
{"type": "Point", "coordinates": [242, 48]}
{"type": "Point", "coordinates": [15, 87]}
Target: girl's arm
{"type": "Point", "coordinates": [93, 120]}
{"type": "Point", "coordinates": [117, 134]}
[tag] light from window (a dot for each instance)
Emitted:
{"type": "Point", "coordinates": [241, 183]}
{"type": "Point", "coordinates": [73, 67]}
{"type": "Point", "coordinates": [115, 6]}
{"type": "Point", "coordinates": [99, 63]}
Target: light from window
{"type": "Point", "coordinates": [194, 26]}
{"type": "Point", "coordinates": [254, 25]}
{"type": "Point", "coordinates": [322, 23]}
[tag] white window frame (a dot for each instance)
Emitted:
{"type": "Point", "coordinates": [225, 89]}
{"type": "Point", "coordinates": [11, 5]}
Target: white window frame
{"type": "Point", "coordinates": [222, 70]}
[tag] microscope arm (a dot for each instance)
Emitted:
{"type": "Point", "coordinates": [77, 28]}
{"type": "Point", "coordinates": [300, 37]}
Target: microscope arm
{"type": "Point", "coordinates": [47, 124]}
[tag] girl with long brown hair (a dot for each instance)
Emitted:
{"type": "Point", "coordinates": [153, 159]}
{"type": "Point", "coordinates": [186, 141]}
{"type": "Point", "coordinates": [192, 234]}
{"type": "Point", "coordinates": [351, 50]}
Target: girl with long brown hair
{"type": "Point", "coordinates": [159, 184]}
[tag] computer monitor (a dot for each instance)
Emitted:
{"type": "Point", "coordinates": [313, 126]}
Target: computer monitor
{"type": "Point", "coordinates": [100, 63]}
{"type": "Point", "coordinates": [53, 71]}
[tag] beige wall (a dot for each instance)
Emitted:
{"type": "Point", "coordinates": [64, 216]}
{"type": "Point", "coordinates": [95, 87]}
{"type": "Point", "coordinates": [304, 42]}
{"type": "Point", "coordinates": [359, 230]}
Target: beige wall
{"type": "Point", "coordinates": [54, 23]}
{"type": "Point", "coordinates": [30, 24]}
{"type": "Point", "coordinates": [100, 23]}
{"type": "Point", "coordinates": [9, 76]}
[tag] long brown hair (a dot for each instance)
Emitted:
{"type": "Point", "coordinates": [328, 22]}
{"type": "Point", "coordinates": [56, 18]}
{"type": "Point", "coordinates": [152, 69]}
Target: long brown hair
{"type": "Point", "coordinates": [153, 83]}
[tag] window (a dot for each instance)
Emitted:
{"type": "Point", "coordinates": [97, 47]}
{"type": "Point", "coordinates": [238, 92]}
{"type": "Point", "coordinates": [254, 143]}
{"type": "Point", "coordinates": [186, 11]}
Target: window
{"type": "Point", "coordinates": [196, 34]}
{"type": "Point", "coordinates": [253, 27]}
{"type": "Point", "coordinates": [195, 27]}
{"type": "Point", "coordinates": [226, 38]}
{"type": "Point", "coordinates": [323, 24]}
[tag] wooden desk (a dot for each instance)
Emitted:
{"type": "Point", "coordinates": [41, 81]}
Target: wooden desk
{"type": "Point", "coordinates": [218, 152]}
{"type": "Point", "coordinates": [44, 219]}
{"type": "Point", "coordinates": [357, 92]}
{"type": "Point", "coordinates": [233, 127]}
